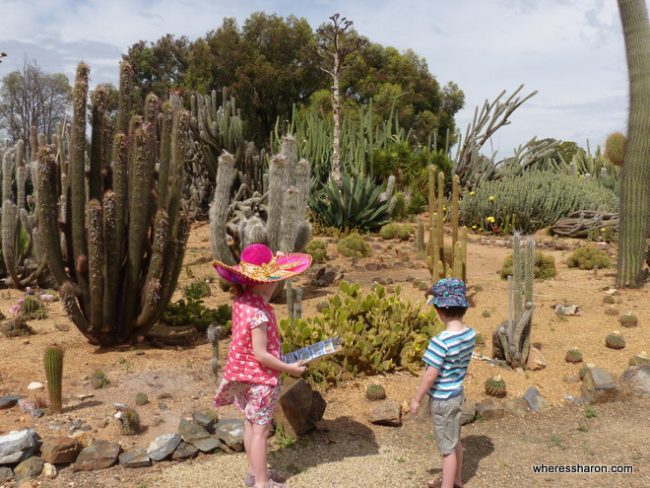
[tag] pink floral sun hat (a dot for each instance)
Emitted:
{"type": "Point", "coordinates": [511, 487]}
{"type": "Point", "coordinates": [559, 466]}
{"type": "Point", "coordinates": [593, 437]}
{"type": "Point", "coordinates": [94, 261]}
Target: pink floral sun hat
{"type": "Point", "coordinates": [258, 265]}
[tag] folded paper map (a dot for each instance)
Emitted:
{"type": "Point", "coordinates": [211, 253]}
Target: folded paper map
{"type": "Point", "coordinates": [315, 351]}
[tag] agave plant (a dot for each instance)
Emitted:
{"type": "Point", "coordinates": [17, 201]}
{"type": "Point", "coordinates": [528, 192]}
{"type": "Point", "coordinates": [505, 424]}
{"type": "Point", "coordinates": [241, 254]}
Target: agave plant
{"type": "Point", "coordinates": [359, 204]}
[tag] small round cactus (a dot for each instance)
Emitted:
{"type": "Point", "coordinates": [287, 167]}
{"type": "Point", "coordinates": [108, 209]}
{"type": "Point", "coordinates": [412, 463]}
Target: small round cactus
{"type": "Point", "coordinates": [375, 392]}
{"type": "Point", "coordinates": [141, 399]}
{"type": "Point", "coordinates": [615, 148]}
{"type": "Point", "coordinates": [573, 355]}
{"type": "Point", "coordinates": [640, 359]}
{"type": "Point", "coordinates": [609, 300]}
{"type": "Point", "coordinates": [628, 320]}
{"type": "Point", "coordinates": [479, 339]}
{"type": "Point", "coordinates": [584, 369]}
{"type": "Point", "coordinates": [495, 386]}
{"type": "Point", "coordinates": [615, 340]}
{"type": "Point", "coordinates": [130, 421]}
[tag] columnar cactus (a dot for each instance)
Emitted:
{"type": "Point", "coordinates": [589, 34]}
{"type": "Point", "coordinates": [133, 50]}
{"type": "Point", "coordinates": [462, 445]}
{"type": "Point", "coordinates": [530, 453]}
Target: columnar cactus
{"type": "Point", "coordinates": [124, 239]}
{"type": "Point", "coordinates": [53, 359]}
{"type": "Point", "coordinates": [512, 338]}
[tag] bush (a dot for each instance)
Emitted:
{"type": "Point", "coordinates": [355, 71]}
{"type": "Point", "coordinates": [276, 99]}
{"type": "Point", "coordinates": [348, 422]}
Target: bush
{"type": "Point", "coordinates": [532, 201]}
{"type": "Point", "coordinates": [397, 231]}
{"type": "Point", "coordinates": [544, 267]}
{"type": "Point", "coordinates": [379, 333]}
{"type": "Point", "coordinates": [588, 257]}
{"type": "Point", "coordinates": [400, 207]}
{"type": "Point", "coordinates": [196, 290]}
{"type": "Point", "coordinates": [317, 249]}
{"type": "Point", "coordinates": [99, 380]}
{"type": "Point", "coordinates": [353, 246]}
{"type": "Point", "coordinates": [194, 312]}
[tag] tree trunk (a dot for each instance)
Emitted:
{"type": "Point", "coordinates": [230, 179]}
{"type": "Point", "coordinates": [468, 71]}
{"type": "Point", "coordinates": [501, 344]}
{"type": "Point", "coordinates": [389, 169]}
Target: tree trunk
{"type": "Point", "coordinates": [336, 109]}
{"type": "Point", "coordinates": [636, 168]}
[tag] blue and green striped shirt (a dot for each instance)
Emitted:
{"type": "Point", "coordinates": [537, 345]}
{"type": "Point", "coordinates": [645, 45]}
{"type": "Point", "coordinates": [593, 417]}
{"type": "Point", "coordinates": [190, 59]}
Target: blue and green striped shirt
{"type": "Point", "coordinates": [450, 353]}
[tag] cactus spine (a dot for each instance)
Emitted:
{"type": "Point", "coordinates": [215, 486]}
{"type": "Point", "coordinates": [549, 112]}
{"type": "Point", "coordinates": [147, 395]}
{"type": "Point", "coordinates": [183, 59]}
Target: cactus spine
{"type": "Point", "coordinates": [53, 359]}
{"type": "Point", "coordinates": [124, 244]}
{"type": "Point", "coordinates": [635, 184]}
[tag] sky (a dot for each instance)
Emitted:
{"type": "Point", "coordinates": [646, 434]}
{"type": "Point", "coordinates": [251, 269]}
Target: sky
{"type": "Point", "coordinates": [570, 51]}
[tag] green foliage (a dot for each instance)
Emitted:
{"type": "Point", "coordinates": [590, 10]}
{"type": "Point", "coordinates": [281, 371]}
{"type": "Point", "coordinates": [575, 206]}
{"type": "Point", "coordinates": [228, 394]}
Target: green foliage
{"type": "Point", "coordinates": [194, 312]}
{"type": "Point", "coordinates": [590, 413]}
{"type": "Point", "coordinates": [379, 332]}
{"type": "Point", "coordinates": [353, 246]}
{"type": "Point", "coordinates": [130, 422]}
{"type": "Point", "coordinates": [615, 148]}
{"type": "Point", "coordinates": [32, 308]}
{"type": "Point", "coordinates": [589, 257]}
{"type": "Point", "coordinates": [375, 392]}
{"type": "Point", "coordinates": [141, 399]}
{"type": "Point", "coordinates": [544, 267]}
{"type": "Point", "coordinates": [196, 290]}
{"type": "Point", "coordinates": [283, 439]}
{"type": "Point", "coordinates": [400, 206]}
{"type": "Point", "coordinates": [99, 380]}
{"type": "Point", "coordinates": [532, 201]}
{"type": "Point", "coordinates": [394, 230]}
{"type": "Point", "coordinates": [628, 320]}
{"type": "Point", "coordinates": [356, 205]}
{"type": "Point", "coordinates": [317, 249]}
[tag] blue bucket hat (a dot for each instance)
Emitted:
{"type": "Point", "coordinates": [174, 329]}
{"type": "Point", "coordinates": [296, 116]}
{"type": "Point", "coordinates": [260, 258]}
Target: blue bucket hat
{"type": "Point", "coordinates": [448, 292]}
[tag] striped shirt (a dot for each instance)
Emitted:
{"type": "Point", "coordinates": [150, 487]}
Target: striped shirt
{"type": "Point", "coordinates": [450, 353]}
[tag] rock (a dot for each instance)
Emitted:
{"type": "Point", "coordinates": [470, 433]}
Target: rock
{"type": "Point", "coordinates": [535, 401]}
{"type": "Point", "coordinates": [599, 386]}
{"type": "Point", "coordinates": [60, 450]}
{"type": "Point", "coordinates": [164, 446]}
{"type": "Point", "coordinates": [62, 327]}
{"type": "Point", "coordinates": [83, 396]}
{"type": "Point", "coordinates": [469, 412]}
{"type": "Point", "coordinates": [388, 413]}
{"type": "Point", "coordinates": [231, 433]}
{"type": "Point", "coordinates": [197, 436]}
{"type": "Point", "coordinates": [518, 406]}
{"type": "Point", "coordinates": [571, 378]}
{"type": "Point", "coordinates": [35, 386]}
{"type": "Point", "coordinates": [120, 407]}
{"type": "Point", "coordinates": [326, 277]}
{"type": "Point", "coordinates": [567, 310]}
{"type": "Point", "coordinates": [177, 335]}
{"type": "Point", "coordinates": [612, 311]}
{"type": "Point", "coordinates": [6, 474]}
{"type": "Point", "coordinates": [135, 458]}
{"type": "Point", "coordinates": [373, 267]}
{"type": "Point", "coordinates": [99, 455]}
{"type": "Point", "coordinates": [637, 380]}
{"type": "Point", "coordinates": [204, 421]}
{"type": "Point", "coordinates": [8, 401]}
{"type": "Point", "coordinates": [184, 451]}
{"type": "Point", "coordinates": [535, 360]}
{"type": "Point", "coordinates": [299, 408]}
{"type": "Point", "coordinates": [37, 413]}
{"type": "Point", "coordinates": [49, 471]}
{"type": "Point", "coordinates": [18, 445]}
{"type": "Point", "coordinates": [489, 409]}
{"type": "Point", "coordinates": [29, 468]}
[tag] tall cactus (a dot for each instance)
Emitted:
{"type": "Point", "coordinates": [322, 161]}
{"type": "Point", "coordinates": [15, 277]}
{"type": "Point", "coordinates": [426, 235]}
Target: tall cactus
{"type": "Point", "coordinates": [53, 359]}
{"type": "Point", "coordinates": [124, 239]}
{"type": "Point", "coordinates": [635, 184]}
{"type": "Point", "coordinates": [512, 338]}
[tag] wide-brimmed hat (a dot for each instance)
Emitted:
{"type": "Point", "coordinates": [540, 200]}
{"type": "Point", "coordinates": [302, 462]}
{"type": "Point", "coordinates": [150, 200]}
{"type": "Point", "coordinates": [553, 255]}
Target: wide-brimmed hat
{"type": "Point", "coordinates": [258, 265]}
{"type": "Point", "coordinates": [448, 292]}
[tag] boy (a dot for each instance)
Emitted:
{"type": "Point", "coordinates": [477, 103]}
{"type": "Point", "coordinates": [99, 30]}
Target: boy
{"type": "Point", "coordinates": [447, 359]}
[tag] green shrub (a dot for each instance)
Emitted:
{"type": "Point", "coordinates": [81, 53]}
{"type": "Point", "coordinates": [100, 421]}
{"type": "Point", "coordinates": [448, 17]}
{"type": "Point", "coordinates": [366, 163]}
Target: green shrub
{"type": "Point", "coordinates": [400, 207]}
{"type": "Point", "coordinates": [99, 380]}
{"type": "Point", "coordinates": [317, 249]}
{"type": "Point", "coordinates": [588, 257]}
{"type": "Point", "coordinates": [353, 245]}
{"type": "Point", "coordinates": [532, 201]}
{"type": "Point", "coordinates": [379, 333]}
{"type": "Point", "coordinates": [397, 231]}
{"type": "Point", "coordinates": [196, 290]}
{"type": "Point", "coordinates": [194, 312]}
{"type": "Point", "coordinates": [544, 267]}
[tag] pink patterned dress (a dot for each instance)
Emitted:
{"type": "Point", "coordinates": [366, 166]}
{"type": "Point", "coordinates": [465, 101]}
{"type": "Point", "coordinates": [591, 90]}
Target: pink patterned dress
{"type": "Point", "coordinates": [253, 388]}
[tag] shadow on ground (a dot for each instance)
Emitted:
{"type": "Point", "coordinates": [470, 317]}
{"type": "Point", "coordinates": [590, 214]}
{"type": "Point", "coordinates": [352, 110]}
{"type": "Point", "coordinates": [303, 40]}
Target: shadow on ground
{"type": "Point", "coordinates": [476, 448]}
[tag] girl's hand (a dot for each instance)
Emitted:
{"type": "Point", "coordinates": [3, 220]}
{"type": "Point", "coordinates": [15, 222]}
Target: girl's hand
{"type": "Point", "coordinates": [415, 406]}
{"type": "Point", "coordinates": [296, 369]}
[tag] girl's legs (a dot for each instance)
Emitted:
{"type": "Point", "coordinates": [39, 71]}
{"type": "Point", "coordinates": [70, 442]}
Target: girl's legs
{"type": "Point", "coordinates": [259, 436]}
{"type": "Point", "coordinates": [248, 439]}
{"type": "Point", "coordinates": [459, 464]}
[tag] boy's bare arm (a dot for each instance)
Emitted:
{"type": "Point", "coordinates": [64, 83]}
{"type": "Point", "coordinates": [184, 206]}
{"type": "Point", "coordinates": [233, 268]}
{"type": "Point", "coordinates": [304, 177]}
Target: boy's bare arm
{"type": "Point", "coordinates": [427, 381]}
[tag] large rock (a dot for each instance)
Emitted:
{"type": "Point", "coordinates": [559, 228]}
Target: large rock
{"type": "Point", "coordinates": [388, 413]}
{"type": "Point", "coordinates": [163, 446]}
{"type": "Point", "coordinates": [6, 474]}
{"type": "Point", "coordinates": [599, 386]}
{"type": "Point", "coordinates": [135, 458]}
{"type": "Point", "coordinates": [535, 401]}
{"type": "Point", "coordinates": [184, 451]}
{"type": "Point", "coordinates": [636, 380]}
{"type": "Point", "coordinates": [18, 445]}
{"type": "Point", "coordinates": [299, 408]}
{"type": "Point", "coordinates": [518, 406]}
{"type": "Point", "coordinates": [49, 471]}
{"type": "Point", "coordinates": [231, 434]}
{"type": "Point", "coordinates": [29, 468]}
{"type": "Point", "coordinates": [535, 360]}
{"type": "Point", "coordinates": [99, 455]}
{"type": "Point", "coordinates": [489, 409]}
{"type": "Point", "coordinates": [204, 421]}
{"type": "Point", "coordinates": [8, 401]}
{"type": "Point", "coordinates": [197, 436]}
{"type": "Point", "coordinates": [469, 412]}
{"type": "Point", "coordinates": [60, 450]}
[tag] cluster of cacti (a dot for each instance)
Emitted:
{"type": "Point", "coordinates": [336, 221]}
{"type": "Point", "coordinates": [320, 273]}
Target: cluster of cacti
{"type": "Point", "coordinates": [454, 263]}
{"type": "Point", "coordinates": [628, 320]}
{"type": "Point", "coordinates": [615, 340]}
{"type": "Point", "coordinates": [194, 312]}
{"type": "Point", "coordinates": [573, 355]}
{"type": "Point", "coordinates": [130, 422]}
{"type": "Point", "coordinates": [615, 148]}
{"type": "Point", "coordinates": [511, 340]}
{"type": "Point", "coordinates": [141, 399]}
{"type": "Point", "coordinates": [122, 229]}
{"type": "Point", "coordinates": [394, 230]}
{"type": "Point", "coordinates": [354, 246]}
{"type": "Point", "coordinates": [379, 332]}
{"type": "Point", "coordinates": [32, 307]}
{"type": "Point", "coordinates": [544, 267]}
{"type": "Point", "coordinates": [53, 359]}
{"type": "Point", "coordinates": [375, 392]}
{"type": "Point", "coordinates": [640, 359]}
{"type": "Point", "coordinates": [589, 257]}
{"type": "Point", "coordinates": [277, 218]}
{"type": "Point", "coordinates": [495, 386]}
{"type": "Point", "coordinates": [317, 249]}
{"type": "Point", "coordinates": [16, 327]}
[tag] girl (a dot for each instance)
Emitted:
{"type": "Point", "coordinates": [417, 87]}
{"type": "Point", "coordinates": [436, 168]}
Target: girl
{"type": "Point", "coordinates": [254, 364]}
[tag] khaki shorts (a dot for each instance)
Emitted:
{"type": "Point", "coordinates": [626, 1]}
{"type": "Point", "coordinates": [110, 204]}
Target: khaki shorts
{"type": "Point", "coordinates": [446, 421]}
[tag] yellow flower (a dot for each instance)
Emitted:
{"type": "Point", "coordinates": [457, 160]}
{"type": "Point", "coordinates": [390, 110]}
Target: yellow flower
{"type": "Point", "coordinates": [491, 219]}
{"type": "Point", "coordinates": [491, 198]}
{"type": "Point", "coordinates": [602, 229]}
{"type": "Point", "coordinates": [471, 194]}
{"type": "Point", "coordinates": [473, 227]}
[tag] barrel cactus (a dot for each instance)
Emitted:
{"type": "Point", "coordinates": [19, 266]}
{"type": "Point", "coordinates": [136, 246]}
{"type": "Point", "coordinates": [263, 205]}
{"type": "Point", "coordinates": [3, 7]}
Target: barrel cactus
{"type": "Point", "coordinates": [573, 356]}
{"type": "Point", "coordinates": [615, 148]}
{"type": "Point", "coordinates": [123, 230]}
{"type": "Point", "coordinates": [375, 392]}
{"type": "Point", "coordinates": [584, 369]}
{"type": "Point", "coordinates": [615, 340]}
{"type": "Point", "coordinates": [53, 359]}
{"type": "Point", "coordinates": [495, 386]}
{"type": "Point", "coordinates": [640, 359]}
{"type": "Point", "coordinates": [628, 320]}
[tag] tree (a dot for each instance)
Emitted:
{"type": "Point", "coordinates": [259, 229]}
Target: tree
{"type": "Point", "coordinates": [2, 55]}
{"type": "Point", "coordinates": [30, 97]}
{"type": "Point", "coordinates": [335, 45]}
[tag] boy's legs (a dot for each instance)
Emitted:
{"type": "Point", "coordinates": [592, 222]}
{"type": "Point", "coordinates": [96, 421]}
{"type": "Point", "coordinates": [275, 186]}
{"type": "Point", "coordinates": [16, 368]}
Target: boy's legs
{"type": "Point", "coordinates": [449, 465]}
{"type": "Point", "coordinates": [459, 464]}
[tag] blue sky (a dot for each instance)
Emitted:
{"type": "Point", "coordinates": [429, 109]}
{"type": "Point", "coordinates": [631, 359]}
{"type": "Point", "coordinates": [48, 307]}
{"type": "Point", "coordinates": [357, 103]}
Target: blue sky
{"type": "Point", "coordinates": [571, 51]}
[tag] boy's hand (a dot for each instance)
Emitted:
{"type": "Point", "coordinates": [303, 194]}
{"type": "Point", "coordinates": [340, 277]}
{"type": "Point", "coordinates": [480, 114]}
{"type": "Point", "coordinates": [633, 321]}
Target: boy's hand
{"type": "Point", "coordinates": [297, 368]}
{"type": "Point", "coordinates": [415, 406]}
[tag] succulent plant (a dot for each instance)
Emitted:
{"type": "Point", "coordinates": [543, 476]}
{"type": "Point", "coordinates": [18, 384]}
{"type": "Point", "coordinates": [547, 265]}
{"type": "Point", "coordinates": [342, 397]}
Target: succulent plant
{"type": "Point", "coordinates": [615, 148]}
{"type": "Point", "coordinates": [640, 359]}
{"type": "Point", "coordinates": [354, 246]}
{"type": "Point", "coordinates": [130, 422]}
{"type": "Point", "coordinates": [99, 380]}
{"type": "Point", "coordinates": [394, 230]}
{"type": "Point", "coordinates": [141, 399]}
{"type": "Point", "coordinates": [615, 340]}
{"type": "Point", "coordinates": [32, 308]}
{"type": "Point", "coordinates": [16, 327]}
{"type": "Point", "coordinates": [589, 257]}
{"type": "Point", "coordinates": [584, 369]}
{"type": "Point", "coordinates": [573, 355]}
{"type": "Point", "coordinates": [628, 320]}
{"type": "Point", "coordinates": [544, 267]}
{"type": "Point", "coordinates": [53, 359]}
{"type": "Point", "coordinates": [609, 300]}
{"type": "Point", "coordinates": [479, 339]}
{"type": "Point", "coordinates": [375, 392]}
{"type": "Point", "coordinates": [317, 249]}
{"type": "Point", "coordinates": [495, 386]}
